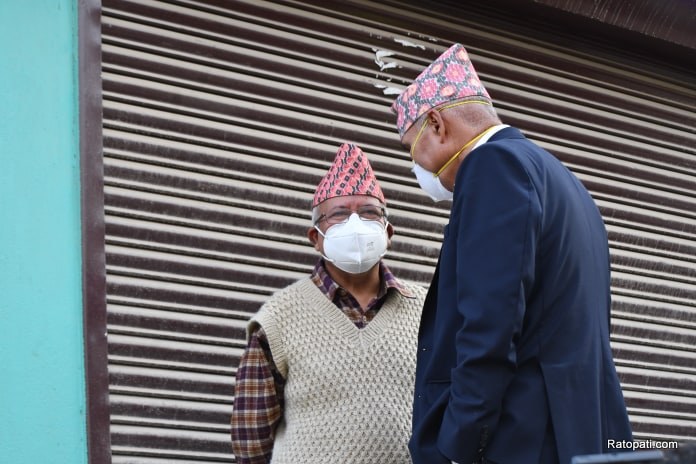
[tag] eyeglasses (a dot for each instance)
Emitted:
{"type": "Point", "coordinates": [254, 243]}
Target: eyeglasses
{"type": "Point", "coordinates": [341, 215]}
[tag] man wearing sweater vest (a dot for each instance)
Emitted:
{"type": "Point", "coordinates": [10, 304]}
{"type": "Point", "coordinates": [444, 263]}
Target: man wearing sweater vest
{"type": "Point", "coordinates": [514, 362]}
{"type": "Point", "coordinates": [328, 372]}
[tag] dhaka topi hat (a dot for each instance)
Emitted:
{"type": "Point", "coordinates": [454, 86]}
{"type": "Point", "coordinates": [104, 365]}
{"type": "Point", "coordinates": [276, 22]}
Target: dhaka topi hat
{"type": "Point", "coordinates": [350, 174]}
{"type": "Point", "coordinates": [450, 77]}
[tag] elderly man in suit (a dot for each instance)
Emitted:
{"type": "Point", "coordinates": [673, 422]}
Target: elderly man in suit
{"type": "Point", "coordinates": [514, 362]}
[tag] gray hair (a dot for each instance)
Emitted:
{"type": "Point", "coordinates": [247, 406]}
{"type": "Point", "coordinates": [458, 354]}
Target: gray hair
{"type": "Point", "coordinates": [477, 115]}
{"type": "Point", "coordinates": [315, 214]}
{"type": "Point", "coordinates": [473, 115]}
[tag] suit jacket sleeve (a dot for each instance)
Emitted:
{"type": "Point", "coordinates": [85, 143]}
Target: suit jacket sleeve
{"type": "Point", "coordinates": [495, 218]}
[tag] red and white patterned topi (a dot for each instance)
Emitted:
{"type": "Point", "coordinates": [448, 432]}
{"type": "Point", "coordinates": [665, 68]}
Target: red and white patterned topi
{"type": "Point", "coordinates": [350, 174]}
{"type": "Point", "coordinates": [450, 77]}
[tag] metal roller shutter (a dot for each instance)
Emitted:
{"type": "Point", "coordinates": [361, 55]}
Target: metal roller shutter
{"type": "Point", "coordinates": [221, 117]}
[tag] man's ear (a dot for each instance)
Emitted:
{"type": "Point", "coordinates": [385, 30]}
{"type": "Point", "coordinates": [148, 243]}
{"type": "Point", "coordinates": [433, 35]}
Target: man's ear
{"type": "Point", "coordinates": [390, 230]}
{"type": "Point", "coordinates": [313, 237]}
{"type": "Point", "coordinates": [438, 123]}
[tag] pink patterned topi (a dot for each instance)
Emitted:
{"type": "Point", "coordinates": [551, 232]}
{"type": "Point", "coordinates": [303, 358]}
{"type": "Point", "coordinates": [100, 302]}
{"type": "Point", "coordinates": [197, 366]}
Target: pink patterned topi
{"type": "Point", "coordinates": [350, 174]}
{"type": "Point", "coordinates": [450, 77]}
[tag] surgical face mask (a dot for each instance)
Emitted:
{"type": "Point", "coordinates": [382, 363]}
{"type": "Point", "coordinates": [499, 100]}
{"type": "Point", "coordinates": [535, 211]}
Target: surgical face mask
{"type": "Point", "coordinates": [430, 183]}
{"type": "Point", "coordinates": [355, 245]}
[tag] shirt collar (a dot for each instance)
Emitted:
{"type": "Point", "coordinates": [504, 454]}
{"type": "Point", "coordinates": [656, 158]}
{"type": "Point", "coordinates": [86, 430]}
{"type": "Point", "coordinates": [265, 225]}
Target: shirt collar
{"type": "Point", "coordinates": [329, 287]}
{"type": "Point", "coordinates": [493, 130]}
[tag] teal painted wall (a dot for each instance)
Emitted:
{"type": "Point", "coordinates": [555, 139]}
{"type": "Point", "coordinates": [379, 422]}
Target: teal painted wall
{"type": "Point", "coordinates": [42, 392]}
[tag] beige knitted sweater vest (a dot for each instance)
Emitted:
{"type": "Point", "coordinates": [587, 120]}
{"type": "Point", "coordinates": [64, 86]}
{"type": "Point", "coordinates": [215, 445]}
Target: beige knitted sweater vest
{"type": "Point", "coordinates": [349, 391]}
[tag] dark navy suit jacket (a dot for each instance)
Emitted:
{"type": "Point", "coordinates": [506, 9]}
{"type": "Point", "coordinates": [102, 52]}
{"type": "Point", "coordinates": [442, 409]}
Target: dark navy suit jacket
{"type": "Point", "coordinates": [514, 361]}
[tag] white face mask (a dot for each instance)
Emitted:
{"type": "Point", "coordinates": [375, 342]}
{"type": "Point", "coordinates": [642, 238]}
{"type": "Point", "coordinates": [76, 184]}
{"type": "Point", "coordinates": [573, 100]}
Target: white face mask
{"type": "Point", "coordinates": [430, 183]}
{"type": "Point", "coordinates": [355, 245]}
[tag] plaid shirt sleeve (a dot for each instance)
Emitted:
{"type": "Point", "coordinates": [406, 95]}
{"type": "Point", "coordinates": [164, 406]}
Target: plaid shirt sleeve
{"type": "Point", "coordinates": [258, 403]}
